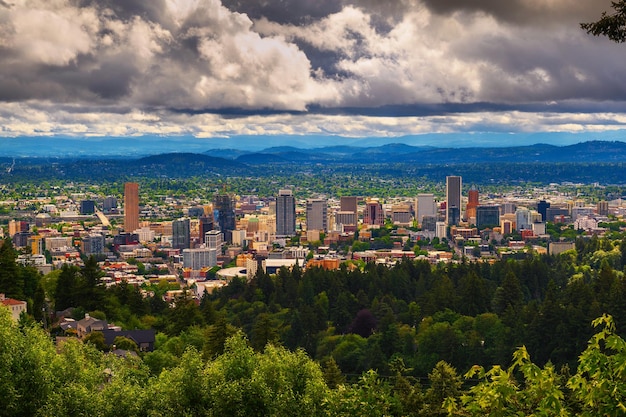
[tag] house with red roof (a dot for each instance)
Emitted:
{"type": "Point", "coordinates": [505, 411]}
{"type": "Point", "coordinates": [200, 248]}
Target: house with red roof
{"type": "Point", "coordinates": [16, 306]}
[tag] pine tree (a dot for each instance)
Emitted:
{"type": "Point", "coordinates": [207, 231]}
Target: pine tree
{"type": "Point", "coordinates": [11, 281]}
{"type": "Point", "coordinates": [332, 373]}
{"type": "Point", "coordinates": [66, 293]}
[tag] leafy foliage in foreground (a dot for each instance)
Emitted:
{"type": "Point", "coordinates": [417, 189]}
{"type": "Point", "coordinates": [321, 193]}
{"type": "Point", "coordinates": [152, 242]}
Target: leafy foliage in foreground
{"type": "Point", "coordinates": [36, 378]}
{"type": "Point", "coordinates": [598, 388]}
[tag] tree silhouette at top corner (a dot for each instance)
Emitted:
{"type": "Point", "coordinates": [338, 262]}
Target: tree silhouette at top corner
{"type": "Point", "coordinates": [612, 25]}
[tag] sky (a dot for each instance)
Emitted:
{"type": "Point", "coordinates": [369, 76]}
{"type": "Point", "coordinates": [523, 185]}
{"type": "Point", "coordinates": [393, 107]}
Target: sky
{"type": "Point", "coordinates": [347, 68]}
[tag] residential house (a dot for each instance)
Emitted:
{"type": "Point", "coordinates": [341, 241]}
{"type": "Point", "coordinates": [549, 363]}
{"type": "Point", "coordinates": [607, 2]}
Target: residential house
{"type": "Point", "coordinates": [143, 338]}
{"type": "Point", "coordinates": [90, 324]}
{"type": "Point", "coordinates": [15, 306]}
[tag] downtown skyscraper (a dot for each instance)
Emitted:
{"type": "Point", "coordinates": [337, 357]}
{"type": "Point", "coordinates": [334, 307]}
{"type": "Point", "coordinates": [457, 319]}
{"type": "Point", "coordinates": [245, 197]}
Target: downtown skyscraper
{"type": "Point", "coordinates": [181, 236]}
{"type": "Point", "coordinates": [285, 213]}
{"type": "Point", "coordinates": [317, 214]}
{"type": "Point", "coordinates": [224, 206]}
{"type": "Point", "coordinates": [131, 207]}
{"type": "Point", "coordinates": [453, 200]}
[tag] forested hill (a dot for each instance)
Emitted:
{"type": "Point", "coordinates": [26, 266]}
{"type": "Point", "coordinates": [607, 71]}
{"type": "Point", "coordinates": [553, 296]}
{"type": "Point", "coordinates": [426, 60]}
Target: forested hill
{"type": "Point", "coordinates": [329, 343]}
{"type": "Point", "coordinates": [590, 162]}
{"type": "Point", "coordinates": [594, 151]}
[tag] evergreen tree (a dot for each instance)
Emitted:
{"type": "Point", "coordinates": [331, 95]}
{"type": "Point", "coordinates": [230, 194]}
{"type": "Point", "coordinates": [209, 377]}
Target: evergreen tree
{"type": "Point", "coordinates": [67, 291]}
{"type": "Point", "coordinates": [508, 295]}
{"type": "Point", "coordinates": [216, 336]}
{"type": "Point", "coordinates": [11, 280]}
{"type": "Point", "coordinates": [263, 332]}
{"type": "Point", "coordinates": [444, 384]}
{"type": "Point", "coordinates": [332, 373]}
{"type": "Point", "coordinates": [92, 292]}
{"type": "Point", "coordinates": [39, 303]}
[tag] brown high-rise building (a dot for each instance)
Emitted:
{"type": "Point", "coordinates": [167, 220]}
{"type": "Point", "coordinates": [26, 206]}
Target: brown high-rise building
{"type": "Point", "coordinates": [131, 207]}
{"type": "Point", "coordinates": [349, 204]}
{"type": "Point", "coordinates": [374, 214]}
{"type": "Point", "coordinates": [472, 202]}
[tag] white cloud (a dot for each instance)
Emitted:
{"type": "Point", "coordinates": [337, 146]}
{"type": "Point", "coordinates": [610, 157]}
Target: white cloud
{"type": "Point", "coordinates": [43, 120]}
{"type": "Point", "coordinates": [50, 33]}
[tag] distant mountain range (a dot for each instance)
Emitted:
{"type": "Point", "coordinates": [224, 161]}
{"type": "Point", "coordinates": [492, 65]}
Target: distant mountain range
{"type": "Point", "coordinates": [394, 153]}
{"type": "Point", "coordinates": [587, 162]}
{"type": "Point", "coordinates": [136, 147]}
{"type": "Point", "coordinates": [593, 151]}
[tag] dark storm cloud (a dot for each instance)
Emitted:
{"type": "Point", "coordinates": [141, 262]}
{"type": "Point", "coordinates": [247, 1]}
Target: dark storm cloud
{"type": "Point", "coordinates": [393, 9]}
{"type": "Point", "coordinates": [153, 10]}
{"type": "Point", "coordinates": [562, 69]}
{"type": "Point", "coordinates": [294, 12]}
{"type": "Point", "coordinates": [112, 80]}
{"type": "Point", "coordinates": [524, 11]}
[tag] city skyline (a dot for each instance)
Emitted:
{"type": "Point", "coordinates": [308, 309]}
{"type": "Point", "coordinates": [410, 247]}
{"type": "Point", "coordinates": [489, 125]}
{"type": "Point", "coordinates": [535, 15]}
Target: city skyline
{"type": "Point", "coordinates": [218, 71]}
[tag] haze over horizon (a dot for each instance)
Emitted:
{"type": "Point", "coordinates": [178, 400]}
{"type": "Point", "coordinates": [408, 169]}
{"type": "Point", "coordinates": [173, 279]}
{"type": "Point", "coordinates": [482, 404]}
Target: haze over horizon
{"type": "Point", "coordinates": [457, 73]}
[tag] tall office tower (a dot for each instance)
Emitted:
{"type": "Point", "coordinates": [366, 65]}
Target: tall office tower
{"type": "Point", "coordinates": [213, 240]}
{"type": "Point", "coordinates": [131, 206]}
{"type": "Point", "coordinates": [36, 245]}
{"type": "Point", "coordinates": [542, 208]}
{"type": "Point", "coordinates": [205, 225]}
{"type": "Point", "coordinates": [316, 214]}
{"type": "Point", "coordinates": [602, 208]}
{"type": "Point", "coordinates": [374, 214]}
{"type": "Point", "coordinates": [487, 216]}
{"type": "Point", "coordinates": [453, 200]}
{"type": "Point", "coordinates": [87, 207]}
{"type": "Point", "coordinates": [508, 208]}
{"type": "Point", "coordinates": [425, 206]}
{"type": "Point", "coordinates": [523, 219]}
{"type": "Point", "coordinates": [429, 223]}
{"type": "Point", "coordinates": [556, 214]}
{"type": "Point", "coordinates": [285, 213]}
{"type": "Point", "coordinates": [16, 226]}
{"type": "Point", "coordinates": [472, 203]}
{"type": "Point", "coordinates": [401, 214]}
{"type": "Point", "coordinates": [93, 244]}
{"type": "Point", "coordinates": [349, 204]}
{"type": "Point", "coordinates": [199, 258]}
{"type": "Point", "coordinates": [197, 211]}
{"type": "Point", "coordinates": [181, 234]}
{"type": "Point", "coordinates": [441, 230]}
{"type": "Point", "coordinates": [224, 205]}
{"type": "Point", "coordinates": [109, 204]}
{"type": "Point", "coordinates": [20, 239]}
{"type": "Point", "coordinates": [345, 218]}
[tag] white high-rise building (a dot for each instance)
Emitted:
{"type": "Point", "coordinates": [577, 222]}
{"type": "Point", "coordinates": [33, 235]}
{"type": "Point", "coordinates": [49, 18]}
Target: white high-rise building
{"type": "Point", "coordinates": [145, 234]}
{"type": "Point", "coordinates": [425, 206]}
{"type": "Point", "coordinates": [441, 230]}
{"type": "Point", "coordinates": [317, 214]}
{"type": "Point", "coordinates": [199, 258]}
{"type": "Point", "coordinates": [523, 219]}
{"type": "Point", "coordinates": [213, 239]}
{"type": "Point", "coordinates": [239, 237]}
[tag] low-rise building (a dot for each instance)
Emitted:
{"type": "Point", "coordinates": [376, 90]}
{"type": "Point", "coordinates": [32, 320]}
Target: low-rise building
{"type": "Point", "coordinates": [90, 324]}
{"type": "Point", "coordinates": [17, 307]}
